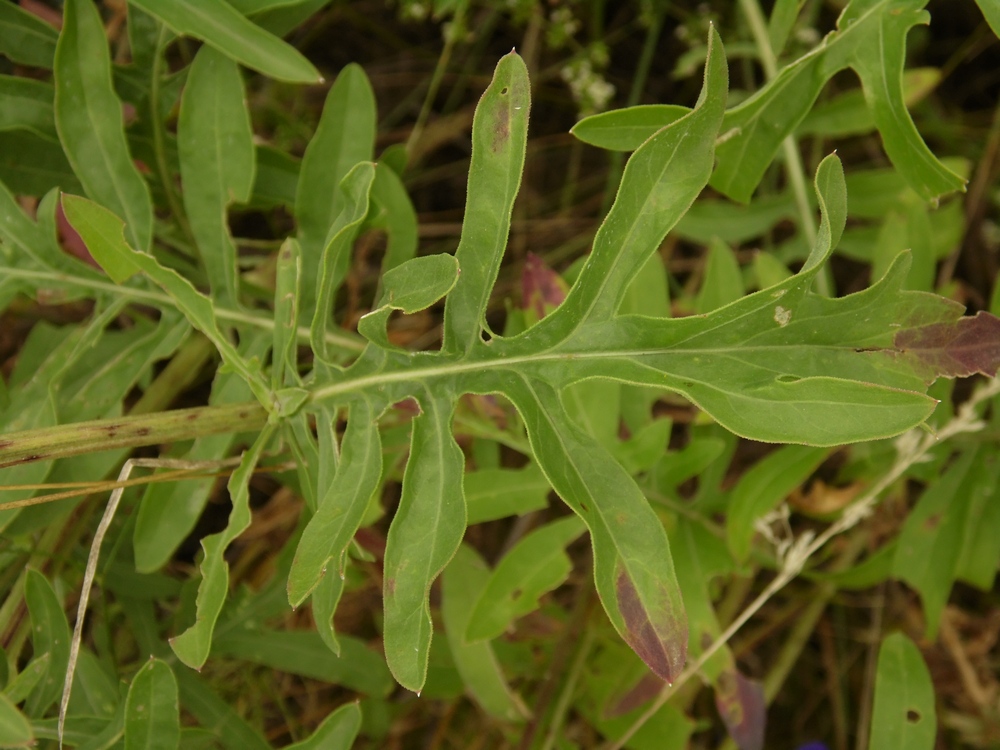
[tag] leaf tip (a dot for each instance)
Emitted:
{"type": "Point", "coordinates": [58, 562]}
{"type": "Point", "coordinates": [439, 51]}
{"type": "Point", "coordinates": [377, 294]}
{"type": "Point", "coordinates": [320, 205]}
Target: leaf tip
{"type": "Point", "coordinates": [659, 638]}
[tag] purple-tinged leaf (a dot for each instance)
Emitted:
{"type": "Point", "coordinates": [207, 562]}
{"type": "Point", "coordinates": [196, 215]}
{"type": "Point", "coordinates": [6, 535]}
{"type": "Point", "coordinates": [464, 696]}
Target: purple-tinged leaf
{"type": "Point", "coordinates": [542, 289]}
{"type": "Point", "coordinates": [958, 349]}
{"type": "Point", "coordinates": [743, 708]}
{"type": "Point", "coordinates": [657, 632]}
{"type": "Point", "coordinates": [647, 688]}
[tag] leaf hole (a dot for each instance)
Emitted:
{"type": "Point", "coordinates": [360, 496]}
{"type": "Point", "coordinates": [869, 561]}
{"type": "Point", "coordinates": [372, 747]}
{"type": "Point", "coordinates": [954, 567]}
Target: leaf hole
{"type": "Point", "coordinates": [503, 91]}
{"type": "Point", "coordinates": [913, 717]}
{"type": "Point", "coordinates": [516, 594]}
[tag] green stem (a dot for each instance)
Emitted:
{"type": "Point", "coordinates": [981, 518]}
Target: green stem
{"type": "Point", "coordinates": [128, 432]}
{"type": "Point", "coordinates": [350, 343]}
{"type": "Point", "coordinates": [457, 27]}
{"type": "Point", "coordinates": [794, 169]}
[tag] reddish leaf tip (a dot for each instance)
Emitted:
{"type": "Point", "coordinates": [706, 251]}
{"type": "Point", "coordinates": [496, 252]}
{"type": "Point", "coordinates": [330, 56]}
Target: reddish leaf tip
{"type": "Point", "coordinates": [662, 644]}
{"type": "Point", "coordinates": [962, 348]}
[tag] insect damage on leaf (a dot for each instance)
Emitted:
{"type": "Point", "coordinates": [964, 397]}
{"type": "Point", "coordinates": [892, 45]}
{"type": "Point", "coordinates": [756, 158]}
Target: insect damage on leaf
{"type": "Point", "coordinates": [664, 654]}
{"type": "Point", "coordinates": [959, 349]}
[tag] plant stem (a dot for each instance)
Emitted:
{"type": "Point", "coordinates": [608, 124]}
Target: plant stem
{"type": "Point", "coordinates": [794, 169]}
{"type": "Point", "coordinates": [129, 432]}
{"type": "Point", "coordinates": [350, 343]}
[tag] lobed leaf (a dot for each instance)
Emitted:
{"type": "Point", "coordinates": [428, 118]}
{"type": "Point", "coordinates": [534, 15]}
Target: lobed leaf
{"type": "Point", "coordinates": [216, 150]}
{"type": "Point", "coordinates": [89, 120]}
{"type": "Point", "coordinates": [871, 39]}
{"type": "Point", "coordinates": [499, 139]}
{"type": "Point", "coordinates": [413, 286]}
{"type": "Point", "coordinates": [102, 231]}
{"type": "Point", "coordinates": [193, 645]}
{"type": "Point", "coordinates": [354, 190]}
{"type": "Point", "coordinates": [423, 537]}
{"type": "Point", "coordinates": [342, 507]}
{"type": "Point", "coordinates": [632, 564]}
{"type": "Point", "coordinates": [219, 24]}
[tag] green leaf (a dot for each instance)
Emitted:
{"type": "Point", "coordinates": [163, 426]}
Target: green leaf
{"type": "Point", "coordinates": [216, 715]}
{"type": "Point", "coordinates": [28, 104]}
{"type": "Point", "coordinates": [193, 645]}
{"type": "Point", "coordinates": [25, 38]}
{"type": "Point", "coordinates": [461, 584]}
{"type": "Point", "coordinates": [940, 530]}
{"type": "Point", "coordinates": [50, 635]}
{"type": "Point", "coordinates": [903, 717]}
{"type": "Point", "coordinates": [627, 129]}
{"type": "Point", "coordinates": [342, 507]}
{"type": "Point", "coordinates": [220, 25]}
{"type": "Point", "coordinates": [33, 165]}
{"type": "Point", "coordinates": [721, 281]}
{"type": "Point", "coordinates": [632, 564]}
{"type": "Point", "coordinates": [497, 493]}
{"type": "Point", "coordinates": [102, 232]}
{"type": "Point", "coordinates": [393, 212]}
{"type": "Point", "coordinates": [337, 732]}
{"type": "Point", "coordinates": [660, 183]}
{"type": "Point", "coordinates": [354, 190]}
{"type": "Point", "coordinates": [763, 487]}
{"type": "Point", "coordinates": [89, 120]}
{"type": "Point", "coordinates": [344, 137]}
{"type": "Point", "coordinates": [534, 566]}
{"type": "Point", "coordinates": [284, 358]}
{"type": "Point", "coordinates": [215, 144]}
{"type": "Point", "coordinates": [849, 114]}
{"type": "Point", "coordinates": [303, 652]}
{"type": "Point", "coordinates": [152, 712]}
{"type": "Point", "coordinates": [781, 22]}
{"type": "Point", "coordinates": [991, 12]}
{"type": "Point", "coordinates": [423, 537]}
{"type": "Point", "coordinates": [499, 138]}
{"type": "Point", "coordinates": [415, 285]}
{"type": "Point", "coordinates": [15, 731]}
{"type": "Point", "coordinates": [168, 512]}
{"type": "Point", "coordinates": [870, 39]}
